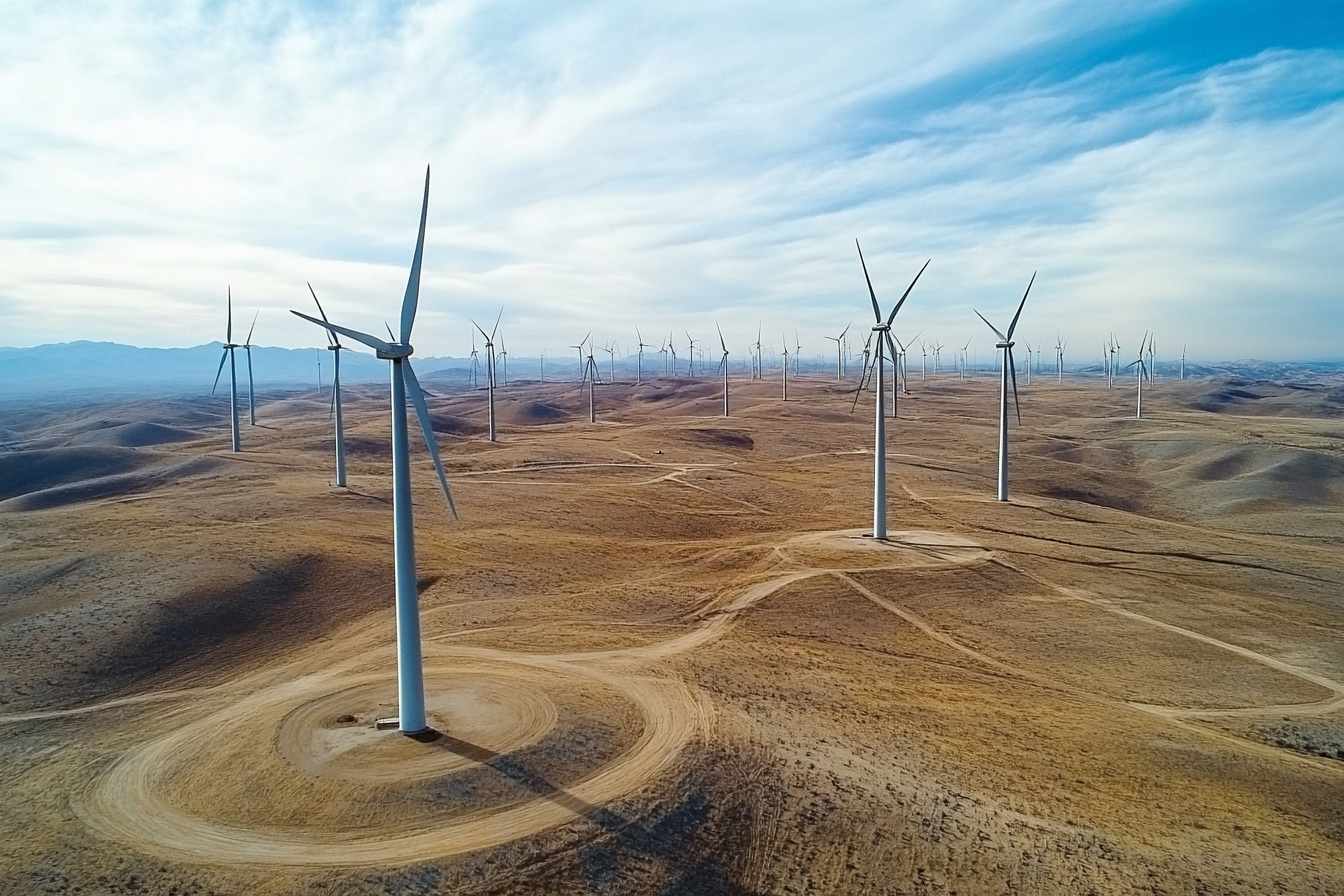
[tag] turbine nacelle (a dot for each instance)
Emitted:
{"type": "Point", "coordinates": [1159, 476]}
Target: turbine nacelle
{"type": "Point", "coordinates": [394, 351]}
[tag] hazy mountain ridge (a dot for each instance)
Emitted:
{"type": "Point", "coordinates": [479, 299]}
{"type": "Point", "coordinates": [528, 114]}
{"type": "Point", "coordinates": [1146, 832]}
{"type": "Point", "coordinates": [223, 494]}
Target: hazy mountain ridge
{"type": "Point", "coordinates": [114, 367]}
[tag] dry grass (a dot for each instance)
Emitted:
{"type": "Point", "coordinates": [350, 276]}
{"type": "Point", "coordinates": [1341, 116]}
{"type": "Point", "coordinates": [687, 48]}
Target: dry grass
{"type": "Point", "coordinates": [662, 661]}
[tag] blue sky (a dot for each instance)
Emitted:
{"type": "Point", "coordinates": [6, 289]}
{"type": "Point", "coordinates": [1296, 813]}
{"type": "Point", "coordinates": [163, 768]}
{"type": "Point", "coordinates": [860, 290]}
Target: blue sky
{"type": "Point", "coordinates": [600, 166]}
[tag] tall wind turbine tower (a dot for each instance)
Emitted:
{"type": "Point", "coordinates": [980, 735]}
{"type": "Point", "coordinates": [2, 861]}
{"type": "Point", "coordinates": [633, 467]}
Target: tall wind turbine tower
{"type": "Point", "coordinates": [410, 666]}
{"type": "Point", "coordinates": [229, 346]}
{"type": "Point", "coordinates": [883, 331]}
{"type": "Point", "coordinates": [1009, 369]}
{"type": "Point", "coordinates": [839, 349]}
{"type": "Point", "coordinates": [1139, 373]}
{"type": "Point", "coordinates": [723, 365]}
{"type": "Point", "coordinates": [639, 357]}
{"type": "Point", "coordinates": [784, 378]}
{"type": "Point", "coordinates": [335, 347]}
{"type": "Point", "coordinates": [251, 390]}
{"type": "Point", "coordinates": [490, 370]}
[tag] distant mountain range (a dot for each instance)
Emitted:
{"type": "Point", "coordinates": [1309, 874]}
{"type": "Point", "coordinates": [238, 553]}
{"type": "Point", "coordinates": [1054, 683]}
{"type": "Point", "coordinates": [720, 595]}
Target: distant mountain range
{"type": "Point", "coordinates": [82, 367]}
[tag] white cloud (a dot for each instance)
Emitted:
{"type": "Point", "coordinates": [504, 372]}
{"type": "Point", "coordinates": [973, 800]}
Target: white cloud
{"type": "Point", "coordinates": [607, 165]}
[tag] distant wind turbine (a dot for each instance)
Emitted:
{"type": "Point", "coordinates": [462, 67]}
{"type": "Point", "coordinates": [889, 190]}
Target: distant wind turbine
{"type": "Point", "coordinates": [229, 346]}
{"type": "Point", "coordinates": [784, 379]}
{"type": "Point", "coordinates": [639, 358]}
{"type": "Point", "coordinates": [335, 347]}
{"type": "Point", "coordinates": [590, 379]}
{"type": "Point", "coordinates": [723, 364]}
{"type": "Point", "coordinates": [251, 390]}
{"type": "Point", "coordinates": [839, 349]}
{"type": "Point", "coordinates": [410, 667]}
{"type": "Point", "coordinates": [1139, 373]}
{"type": "Point", "coordinates": [490, 371]}
{"type": "Point", "coordinates": [1009, 370]}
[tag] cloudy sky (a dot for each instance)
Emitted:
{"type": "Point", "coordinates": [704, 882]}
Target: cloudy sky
{"type": "Point", "coordinates": [1163, 165]}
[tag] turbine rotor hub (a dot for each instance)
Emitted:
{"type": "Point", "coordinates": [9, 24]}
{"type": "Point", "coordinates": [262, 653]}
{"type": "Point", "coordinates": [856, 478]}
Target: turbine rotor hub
{"type": "Point", "coordinates": [395, 351]}
{"type": "Point", "coordinates": [1005, 345]}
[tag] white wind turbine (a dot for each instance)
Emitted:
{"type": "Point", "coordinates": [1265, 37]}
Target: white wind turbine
{"type": "Point", "coordinates": [489, 370]}
{"type": "Point", "coordinates": [690, 355]}
{"type": "Point", "coordinates": [504, 358]}
{"type": "Point", "coordinates": [1009, 369]}
{"type": "Point", "coordinates": [474, 361]}
{"type": "Point", "coordinates": [839, 348]}
{"type": "Point", "coordinates": [760, 358]}
{"type": "Point", "coordinates": [797, 354]}
{"type": "Point", "coordinates": [785, 375]}
{"type": "Point", "coordinates": [1028, 345]}
{"type": "Point", "coordinates": [583, 371]}
{"type": "Point", "coordinates": [335, 347]}
{"type": "Point", "coordinates": [1182, 362]}
{"type": "Point", "coordinates": [251, 390]}
{"type": "Point", "coordinates": [672, 347]}
{"type": "Point", "coordinates": [901, 352]}
{"type": "Point", "coordinates": [611, 358]}
{"type": "Point", "coordinates": [410, 667]}
{"type": "Point", "coordinates": [883, 331]}
{"type": "Point", "coordinates": [723, 364]}
{"type": "Point", "coordinates": [1139, 373]}
{"type": "Point", "coordinates": [590, 379]}
{"type": "Point", "coordinates": [639, 358]}
{"type": "Point", "coordinates": [229, 346]}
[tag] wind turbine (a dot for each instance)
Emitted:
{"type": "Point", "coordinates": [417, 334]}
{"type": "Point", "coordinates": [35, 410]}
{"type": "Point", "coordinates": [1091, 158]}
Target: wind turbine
{"type": "Point", "coordinates": [543, 366]}
{"type": "Point", "coordinates": [760, 358]}
{"type": "Point", "coordinates": [883, 331]}
{"type": "Point", "coordinates": [251, 392]}
{"type": "Point", "coordinates": [797, 354]}
{"type": "Point", "coordinates": [924, 362]}
{"type": "Point", "coordinates": [1139, 374]}
{"type": "Point", "coordinates": [1110, 376]}
{"type": "Point", "coordinates": [691, 355]}
{"type": "Point", "coordinates": [590, 378]}
{"type": "Point", "coordinates": [490, 370]}
{"type": "Point", "coordinates": [1152, 363]}
{"type": "Point", "coordinates": [229, 346]}
{"type": "Point", "coordinates": [839, 341]}
{"type": "Point", "coordinates": [785, 375]}
{"type": "Point", "coordinates": [1028, 345]}
{"type": "Point", "coordinates": [724, 365]}
{"type": "Point", "coordinates": [335, 347]}
{"type": "Point", "coordinates": [474, 362]}
{"type": "Point", "coordinates": [583, 371]}
{"type": "Point", "coordinates": [671, 346]}
{"type": "Point", "coordinates": [1182, 362]}
{"type": "Point", "coordinates": [663, 351]}
{"type": "Point", "coordinates": [504, 358]}
{"type": "Point", "coordinates": [1009, 369]}
{"type": "Point", "coordinates": [965, 356]}
{"type": "Point", "coordinates": [410, 667]}
{"type": "Point", "coordinates": [905, 370]}
{"type": "Point", "coordinates": [611, 358]}
{"type": "Point", "coordinates": [639, 358]}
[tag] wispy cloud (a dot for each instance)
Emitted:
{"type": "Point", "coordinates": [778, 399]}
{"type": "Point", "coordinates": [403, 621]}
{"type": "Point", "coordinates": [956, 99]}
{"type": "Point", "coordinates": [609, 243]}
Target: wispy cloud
{"type": "Point", "coordinates": [605, 165]}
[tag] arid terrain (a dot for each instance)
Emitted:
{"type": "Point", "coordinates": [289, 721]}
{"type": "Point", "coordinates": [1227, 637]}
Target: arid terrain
{"type": "Point", "coordinates": [661, 657]}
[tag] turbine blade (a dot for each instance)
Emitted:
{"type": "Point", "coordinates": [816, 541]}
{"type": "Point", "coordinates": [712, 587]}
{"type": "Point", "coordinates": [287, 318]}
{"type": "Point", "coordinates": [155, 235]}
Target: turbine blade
{"type": "Point", "coordinates": [892, 348]}
{"type": "Point", "coordinates": [1013, 325]}
{"type": "Point", "coordinates": [844, 331]}
{"type": "Point", "coordinates": [483, 333]}
{"type": "Point", "coordinates": [250, 329]}
{"type": "Point", "coordinates": [1012, 370]}
{"type": "Point", "coordinates": [412, 299]}
{"type": "Point", "coordinates": [372, 342]}
{"type": "Point", "coordinates": [331, 337]}
{"type": "Point", "coordinates": [222, 358]}
{"type": "Point", "coordinates": [495, 328]}
{"type": "Point", "coordinates": [723, 344]}
{"type": "Point", "coordinates": [422, 411]}
{"type": "Point", "coordinates": [892, 316]}
{"type": "Point", "coordinates": [228, 332]}
{"type": "Point", "coordinates": [1002, 338]}
{"type": "Point", "coordinates": [877, 313]}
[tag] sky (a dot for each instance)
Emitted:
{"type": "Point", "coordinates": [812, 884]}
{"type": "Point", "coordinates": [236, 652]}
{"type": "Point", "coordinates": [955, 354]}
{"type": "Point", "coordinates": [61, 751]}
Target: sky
{"type": "Point", "coordinates": [1162, 166]}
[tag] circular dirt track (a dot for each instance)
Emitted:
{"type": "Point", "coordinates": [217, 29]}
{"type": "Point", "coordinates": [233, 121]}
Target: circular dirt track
{"type": "Point", "coordinates": [213, 790]}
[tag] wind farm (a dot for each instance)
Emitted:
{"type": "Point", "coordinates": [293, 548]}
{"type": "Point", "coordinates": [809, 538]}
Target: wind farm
{"type": "Point", "coordinates": [1062, 613]}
